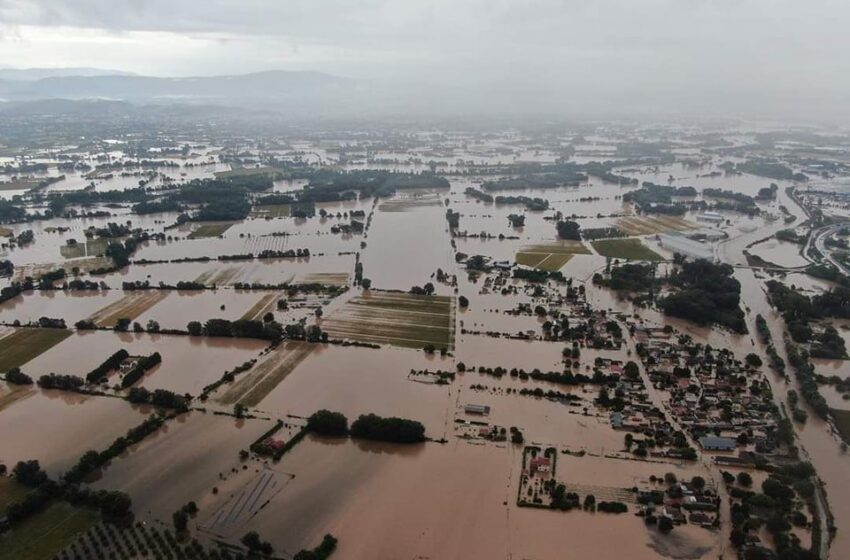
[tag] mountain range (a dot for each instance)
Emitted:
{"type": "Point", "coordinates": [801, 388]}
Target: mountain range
{"type": "Point", "coordinates": [276, 85]}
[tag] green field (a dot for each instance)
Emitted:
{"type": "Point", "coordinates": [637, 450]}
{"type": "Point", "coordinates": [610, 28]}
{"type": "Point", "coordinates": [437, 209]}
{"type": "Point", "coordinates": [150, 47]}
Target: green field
{"type": "Point", "coordinates": [10, 492]}
{"type": "Point", "coordinates": [398, 319]}
{"type": "Point", "coordinates": [550, 256]}
{"type": "Point", "coordinates": [45, 535]}
{"type": "Point", "coordinates": [23, 345]}
{"type": "Point", "coordinates": [543, 261]}
{"type": "Point", "coordinates": [210, 230]}
{"type": "Point", "coordinates": [629, 249]}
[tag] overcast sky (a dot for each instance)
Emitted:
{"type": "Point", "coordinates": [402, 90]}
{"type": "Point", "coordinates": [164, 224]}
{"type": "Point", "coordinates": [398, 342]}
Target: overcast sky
{"type": "Point", "coordinates": [744, 54]}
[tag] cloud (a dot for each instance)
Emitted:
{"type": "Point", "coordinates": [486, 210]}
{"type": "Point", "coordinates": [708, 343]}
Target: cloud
{"type": "Point", "coordinates": [734, 53]}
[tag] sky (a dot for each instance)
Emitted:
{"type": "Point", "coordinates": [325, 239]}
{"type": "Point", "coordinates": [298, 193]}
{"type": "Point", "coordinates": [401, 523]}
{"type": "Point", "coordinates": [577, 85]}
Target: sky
{"type": "Point", "coordinates": [688, 55]}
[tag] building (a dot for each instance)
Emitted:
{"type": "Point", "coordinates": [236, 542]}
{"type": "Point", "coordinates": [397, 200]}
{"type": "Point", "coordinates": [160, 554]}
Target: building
{"type": "Point", "coordinates": [479, 409]}
{"type": "Point", "coordinates": [684, 246]}
{"type": "Point", "coordinates": [711, 217]}
{"type": "Point", "coordinates": [539, 465]}
{"type": "Point", "coordinates": [714, 443]}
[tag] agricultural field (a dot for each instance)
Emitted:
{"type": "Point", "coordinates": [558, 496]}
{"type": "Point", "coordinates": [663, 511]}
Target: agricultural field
{"type": "Point", "coordinates": [550, 256]}
{"type": "Point", "coordinates": [46, 534]}
{"type": "Point", "coordinates": [252, 387]}
{"type": "Point", "coordinates": [648, 225]}
{"type": "Point", "coordinates": [19, 346]}
{"type": "Point", "coordinates": [397, 319]}
{"type": "Point", "coordinates": [627, 248]}
{"type": "Point", "coordinates": [451, 376]}
{"type": "Point", "coordinates": [91, 248]}
{"type": "Point", "coordinates": [130, 306]}
{"type": "Point", "coordinates": [210, 230]}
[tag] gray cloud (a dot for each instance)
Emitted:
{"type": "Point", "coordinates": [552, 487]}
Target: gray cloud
{"type": "Point", "coordinates": [738, 55]}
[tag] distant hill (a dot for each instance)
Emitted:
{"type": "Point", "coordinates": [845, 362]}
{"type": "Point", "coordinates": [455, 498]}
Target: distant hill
{"type": "Point", "coordinates": [273, 85]}
{"type": "Point", "coordinates": [33, 74]}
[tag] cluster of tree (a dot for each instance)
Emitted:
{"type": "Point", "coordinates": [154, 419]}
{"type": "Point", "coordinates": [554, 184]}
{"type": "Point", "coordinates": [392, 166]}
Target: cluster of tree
{"type": "Point", "coordinates": [241, 328]}
{"type": "Point", "coordinates": [453, 218]}
{"type": "Point", "coordinates": [112, 362]}
{"type": "Point", "coordinates": [256, 545]}
{"type": "Point", "coordinates": [426, 290]}
{"type": "Point", "coordinates": [535, 204]}
{"type": "Point", "coordinates": [478, 195]}
{"type": "Point", "coordinates": [738, 197]}
{"type": "Point", "coordinates": [112, 505]}
{"type": "Point", "coordinates": [25, 237]}
{"type": "Point", "coordinates": [63, 382]}
{"type": "Point", "coordinates": [93, 460]}
{"type": "Point", "coordinates": [7, 268]}
{"type": "Point", "coordinates": [156, 206]}
{"type": "Point", "coordinates": [328, 423]}
{"type": "Point", "coordinates": [540, 176]}
{"type": "Point", "coordinates": [322, 552]}
{"type": "Point", "coordinates": [602, 233]}
{"type": "Point", "coordinates": [394, 430]}
{"type": "Point", "coordinates": [630, 277]}
{"type": "Point", "coordinates": [799, 310]}
{"type": "Point", "coordinates": [535, 275]}
{"type": "Point", "coordinates": [707, 294]}
{"type": "Point", "coordinates": [568, 229]}
{"type": "Point", "coordinates": [805, 372]}
{"type": "Point", "coordinates": [16, 377]}
{"type": "Point", "coordinates": [159, 397]}
{"type": "Point", "coordinates": [143, 364]}
{"type": "Point", "coordinates": [766, 168]}
{"type": "Point", "coordinates": [516, 220]}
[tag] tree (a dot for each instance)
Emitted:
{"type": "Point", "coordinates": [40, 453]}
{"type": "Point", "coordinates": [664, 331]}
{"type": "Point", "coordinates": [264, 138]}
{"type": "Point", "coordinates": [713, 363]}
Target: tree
{"type": "Point", "coordinates": [327, 423]}
{"type": "Point", "coordinates": [744, 479]}
{"type": "Point", "coordinates": [753, 360]}
{"type": "Point", "coordinates": [462, 301]}
{"type": "Point", "coordinates": [195, 328]}
{"type": "Point", "coordinates": [152, 326]}
{"type": "Point", "coordinates": [256, 545]}
{"type": "Point", "coordinates": [568, 230]}
{"type": "Point", "coordinates": [181, 521]}
{"type": "Point", "coordinates": [698, 483]}
{"type": "Point", "coordinates": [29, 473]}
{"type": "Point", "coordinates": [366, 283]}
{"type": "Point", "coordinates": [631, 370]}
{"type": "Point", "coordinates": [665, 524]}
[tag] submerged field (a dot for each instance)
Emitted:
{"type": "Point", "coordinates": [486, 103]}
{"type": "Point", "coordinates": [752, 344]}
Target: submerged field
{"type": "Point", "coordinates": [397, 319]}
{"type": "Point", "coordinates": [19, 346]}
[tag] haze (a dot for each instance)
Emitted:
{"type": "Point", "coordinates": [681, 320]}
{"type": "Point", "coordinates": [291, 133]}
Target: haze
{"type": "Point", "coordinates": [603, 58]}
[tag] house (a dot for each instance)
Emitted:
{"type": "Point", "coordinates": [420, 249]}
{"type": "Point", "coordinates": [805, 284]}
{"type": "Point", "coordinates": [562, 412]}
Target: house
{"type": "Point", "coordinates": [479, 409]}
{"type": "Point", "coordinates": [714, 443]}
{"type": "Point", "coordinates": [539, 465]}
{"type": "Point", "coordinates": [616, 420]}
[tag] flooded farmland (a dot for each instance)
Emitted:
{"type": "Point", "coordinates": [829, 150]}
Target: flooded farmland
{"type": "Point", "coordinates": [507, 344]}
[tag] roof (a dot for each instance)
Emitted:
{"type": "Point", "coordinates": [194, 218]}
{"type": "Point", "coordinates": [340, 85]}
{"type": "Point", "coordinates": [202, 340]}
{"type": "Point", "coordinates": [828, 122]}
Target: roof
{"type": "Point", "coordinates": [714, 442]}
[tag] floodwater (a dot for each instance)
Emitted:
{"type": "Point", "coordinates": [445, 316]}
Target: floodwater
{"type": "Point", "coordinates": [437, 501]}
{"type": "Point", "coordinates": [181, 462]}
{"type": "Point", "coordinates": [188, 363]}
{"type": "Point", "coordinates": [56, 427]}
{"type": "Point", "coordinates": [358, 381]}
